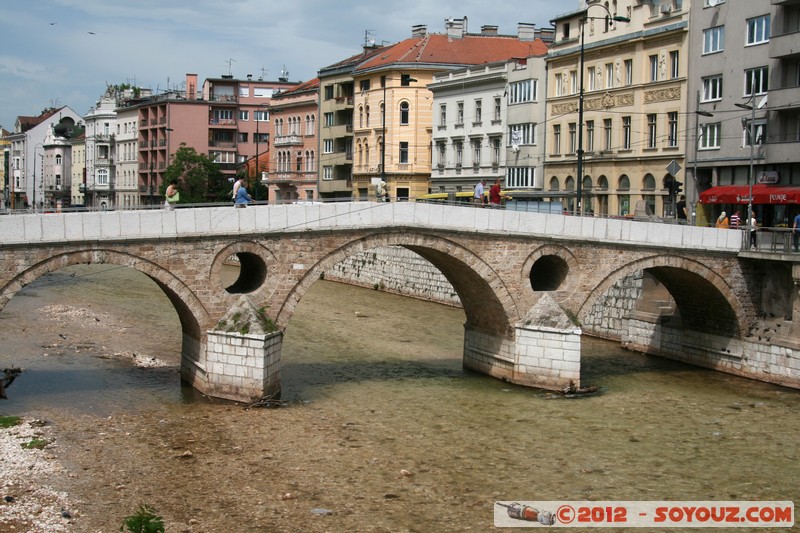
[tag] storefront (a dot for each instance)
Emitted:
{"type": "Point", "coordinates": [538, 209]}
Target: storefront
{"type": "Point", "coordinates": [774, 205]}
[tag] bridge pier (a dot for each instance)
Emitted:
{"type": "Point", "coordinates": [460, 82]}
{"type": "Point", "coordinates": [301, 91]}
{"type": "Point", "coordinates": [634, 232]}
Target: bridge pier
{"type": "Point", "coordinates": [545, 351]}
{"type": "Point", "coordinates": [239, 367]}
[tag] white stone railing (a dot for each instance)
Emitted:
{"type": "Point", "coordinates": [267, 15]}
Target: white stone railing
{"type": "Point", "coordinates": [226, 220]}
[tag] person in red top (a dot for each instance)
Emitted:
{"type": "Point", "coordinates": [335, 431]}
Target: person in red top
{"type": "Point", "coordinates": [494, 193]}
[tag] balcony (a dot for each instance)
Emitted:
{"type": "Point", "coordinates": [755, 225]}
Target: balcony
{"type": "Point", "coordinates": [334, 186]}
{"type": "Point", "coordinates": [222, 144]}
{"type": "Point", "coordinates": [784, 46]}
{"type": "Point", "coordinates": [288, 140]}
{"type": "Point", "coordinates": [782, 151]}
{"type": "Point", "coordinates": [782, 99]}
{"type": "Point", "coordinates": [342, 102]}
{"type": "Point", "coordinates": [342, 130]}
{"type": "Point", "coordinates": [223, 99]}
{"type": "Point", "coordinates": [222, 122]}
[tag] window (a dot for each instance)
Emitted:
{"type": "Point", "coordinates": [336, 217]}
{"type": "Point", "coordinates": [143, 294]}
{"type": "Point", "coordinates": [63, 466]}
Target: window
{"type": "Point", "coordinates": [478, 110]}
{"type": "Point", "coordinates": [261, 116]}
{"type": "Point", "coordinates": [460, 113]}
{"type": "Point", "coordinates": [609, 75]}
{"type": "Point", "coordinates": [559, 84]}
{"type": "Point", "coordinates": [520, 176]}
{"type": "Point", "coordinates": [102, 176]}
{"type": "Point", "coordinates": [403, 152]}
{"type": "Point", "coordinates": [573, 139]}
{"type": "Point", "coordinates": [573, 82]}
{"type": "Point", "coordinates": [328, 120]}
{"type": "Point", "coordinates": [756, 78]}
{"type": "Point", "coordinates": [459, 150]}
{"type": "Point", "coordinates": [329, 92]}
{"type": "Point", "coordinates": [441, 148]}
{"type": "Point", "coordinates": [626, 133]}
{"type": "Point", "coordinates": [327, 146]}
{"type": "Point", "coordinates": [497, 108]}
{"type": "Point", "coordinates": [709, 136]}
{"type": "Point", "coordinates": [607, 133]}
{"type": "Point", "coordinates": [443, 115]}
{"type": "Point", "coordinates": [653, 68]}
{"type": "Point", "coordinates": [672, 138]}
{"type": "Point", "coordinates": [674, 64]}
{"type": "Point", "coordinates": [629, 72]}
{"type": "Point", "coordinates": [476, 152]}
{"type": "Point", "coordinates": [714, 40]}
{"type": "Point", "coordinates": [522, 91]}
{"type": "Point", "coordinates": [522, 134]}
{"type": "Point", "coordinates": [592, 80]}
{"type": "Point", "coordinates": [311, 122]}
{"type": "Point", "coordinates": [404, 113]}
{"type": "Point", "coordinates": [244, 115]}
{"type": "Point", "coordinates": [590, 135]}
{"type": "Point", "coordinates": [58, 160]}
{"type": "Point", "coordinates": [760, 132]}
{"type": "Point", "coordinates": [712, 88]}
{"type": "Point", "coordinates": [758, 30]}
{"type": "Point", "coordinates": [652, 130]}
{"type": "Point", "coordinates": [363, 85]}
{"type": "Point", "coordinates": [405, 80]}
{"type": "Point", "coordinates": [242, 137]}
{"type": "Point", "coordinates": [327, 173]}
{"type": "Point", "coordinates": [496, 150]}
{"type": "Point", "coordinates": [556, 139]}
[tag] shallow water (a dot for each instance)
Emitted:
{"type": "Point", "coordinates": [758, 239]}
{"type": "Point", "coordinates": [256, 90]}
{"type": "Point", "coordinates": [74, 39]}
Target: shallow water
{"type": "Point", "coordinates": [390, 367]}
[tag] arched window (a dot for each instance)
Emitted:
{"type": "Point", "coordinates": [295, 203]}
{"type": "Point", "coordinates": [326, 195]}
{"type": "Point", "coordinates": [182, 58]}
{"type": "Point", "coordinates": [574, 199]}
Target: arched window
{"type": "Point", "coordinates": [360, 116]}
{"type": "Point", "coordinates": [404, 113]}
{"type": "Point", "coordinates": [102, 176]}
{"type": "Point", "coordinates": [58, 159]}
{"type": "Point", "coordinates": [602, 183]}
{"type": "Point", "coordinates": [624, 183]}
{"type": "Point", "coordinates": [299, 166]}
{"type": "Point", "coordinates": [624, 198]}
{"type": "Point", "coordinates": [649, 183]}
{"type": "Point", "coordinates": [367, 113]}
{"type": "Point", "coordinates": [554, 183]}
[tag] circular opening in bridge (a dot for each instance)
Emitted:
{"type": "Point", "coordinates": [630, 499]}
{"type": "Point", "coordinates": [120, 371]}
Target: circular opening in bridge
{"type": "Point", "coordinates": [548, 273]}
{"type": "Point", "coordinates": [252, 272]}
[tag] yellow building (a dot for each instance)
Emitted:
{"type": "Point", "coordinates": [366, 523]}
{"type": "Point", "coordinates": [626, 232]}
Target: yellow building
{"type": "Point", "coordinates": [632, 88]}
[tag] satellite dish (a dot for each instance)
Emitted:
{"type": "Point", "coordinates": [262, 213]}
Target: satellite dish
{"type": "Point", "coordinates": [714, 3]}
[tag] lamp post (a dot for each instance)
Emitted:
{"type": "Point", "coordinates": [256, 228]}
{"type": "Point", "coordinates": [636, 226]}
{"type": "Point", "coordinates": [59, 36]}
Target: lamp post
{"type": "Point", "coordinates": [609, 17]}
{"type": "Point", "coordinates": [697, 114]}
{"type": "Point", "coordinates": [386, 80]}
{"type": "Point", "coordinates": [752, 107]}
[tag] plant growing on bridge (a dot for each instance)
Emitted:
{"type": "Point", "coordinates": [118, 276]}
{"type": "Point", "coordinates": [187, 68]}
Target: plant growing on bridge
{"type": "Point", "coordinates": [199, 178]}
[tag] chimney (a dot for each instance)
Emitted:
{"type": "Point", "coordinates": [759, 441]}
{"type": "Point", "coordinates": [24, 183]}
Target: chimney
{"type": "Point", "coordinates": [249, 77]}
{"type": "Point", "coordinates": [526, 31]}
{"type": "Point", "coordinates": [191, 86]}
{"type": "Point", "coordinates": [455, 28]}
{"type": "Point", "coordinates": [419, 30]}
{"type": "Point", "coordinates": [488, 30]}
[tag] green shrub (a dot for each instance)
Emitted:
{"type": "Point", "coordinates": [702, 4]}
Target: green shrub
{"type": "Point", "coordinates": [144, 521]}
{"type": "Point", "coordinates": [9, 421]}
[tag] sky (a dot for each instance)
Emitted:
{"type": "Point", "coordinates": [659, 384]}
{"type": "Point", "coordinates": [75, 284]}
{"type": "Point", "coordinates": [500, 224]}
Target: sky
{"type": "Point", "coordinates": [65, 52]}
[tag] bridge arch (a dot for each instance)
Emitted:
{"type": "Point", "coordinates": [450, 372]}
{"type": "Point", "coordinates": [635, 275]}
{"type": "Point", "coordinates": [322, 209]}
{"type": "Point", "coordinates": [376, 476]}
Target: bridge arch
{"type": "Point", "coordinates": [548, 268]}
{"type": "Point", "coordinates": [486, 300]}
{"type": "Point", "coordinates": [256, 262]}
{"type": "Point", "coordinates": [192, 313]}
{"type": "Point", "coordinates": [688, 282]}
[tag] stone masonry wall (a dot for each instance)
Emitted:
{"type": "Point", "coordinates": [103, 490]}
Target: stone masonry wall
{"type": "Point", "coordinates": [242, 367]}
{"type": "Point", "coordinates": [398, 270]}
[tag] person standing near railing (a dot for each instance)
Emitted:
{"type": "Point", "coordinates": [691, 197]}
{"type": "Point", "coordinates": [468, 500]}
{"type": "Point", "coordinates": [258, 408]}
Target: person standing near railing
{"type": "Point", "coordinates": [796, 233]}
{"type": "Point", "coordinates": [735, 220]}
{"type": "Point", "coordinates": [753, 226]}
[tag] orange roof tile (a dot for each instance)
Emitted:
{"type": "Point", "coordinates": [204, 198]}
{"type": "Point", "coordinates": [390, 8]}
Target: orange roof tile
{"type": "Point", "coordinates": [439, 49]}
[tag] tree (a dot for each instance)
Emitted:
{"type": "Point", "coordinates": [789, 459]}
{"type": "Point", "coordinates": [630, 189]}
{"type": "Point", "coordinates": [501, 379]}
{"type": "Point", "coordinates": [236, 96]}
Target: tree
{"type": "Point", "coordinates": [199, 178]}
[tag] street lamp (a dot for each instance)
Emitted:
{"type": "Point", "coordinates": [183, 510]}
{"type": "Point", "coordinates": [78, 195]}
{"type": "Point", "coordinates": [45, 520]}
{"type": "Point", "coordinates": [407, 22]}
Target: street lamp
{"type": "Point", "coordinates": [697, 114]}
{"type": "Point", "coordinates": [386, 79]}
{"type": "Point", "coordinates": [255, 172]}
{"type": "Point", "coordinates": [752, 107]}
{"type": "Point", "coordinates": [609, 17]}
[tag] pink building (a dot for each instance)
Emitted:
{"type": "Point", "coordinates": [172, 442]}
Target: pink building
{"type": "Point", "coordinates": [294, 140]}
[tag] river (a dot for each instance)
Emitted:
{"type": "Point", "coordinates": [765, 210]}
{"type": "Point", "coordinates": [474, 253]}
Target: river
{"type": "Point", "coordinates": [383, 428]}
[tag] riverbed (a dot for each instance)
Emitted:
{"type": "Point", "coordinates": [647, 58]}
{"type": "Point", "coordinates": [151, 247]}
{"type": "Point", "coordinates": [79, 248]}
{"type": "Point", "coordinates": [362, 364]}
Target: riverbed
{"type": "Point", "coordinates": [383, 430]}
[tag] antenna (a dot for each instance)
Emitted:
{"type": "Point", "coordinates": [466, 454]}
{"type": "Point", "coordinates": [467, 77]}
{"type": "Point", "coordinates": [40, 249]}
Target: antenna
{"type": "Point", "coordinates": [230, 62]}
{"type": "Point", "coordinates": [284, 74]}
{"type": "Point", "coordinates": [369, 37]}
{"type": "Point", "coordinates": [263, 74]}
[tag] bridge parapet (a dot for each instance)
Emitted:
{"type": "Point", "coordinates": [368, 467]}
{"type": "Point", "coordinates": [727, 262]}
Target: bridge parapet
{"type": "Point", "coordinates": [220, 221]}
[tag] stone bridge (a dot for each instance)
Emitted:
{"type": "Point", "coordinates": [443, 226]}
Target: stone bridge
{"type": "Point", "coordinates": [526, 281]}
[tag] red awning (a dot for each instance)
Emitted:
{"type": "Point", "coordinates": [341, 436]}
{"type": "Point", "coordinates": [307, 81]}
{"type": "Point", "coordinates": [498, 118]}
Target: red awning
{"type": "Point", "coordinates": [740, 194]}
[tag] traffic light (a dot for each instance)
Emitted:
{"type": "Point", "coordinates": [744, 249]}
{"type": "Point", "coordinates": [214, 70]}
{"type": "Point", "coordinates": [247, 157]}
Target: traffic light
{"type": "Point", "coordinates": [676, 188]}
{"type": "Point", "coordinates": [669, 184]}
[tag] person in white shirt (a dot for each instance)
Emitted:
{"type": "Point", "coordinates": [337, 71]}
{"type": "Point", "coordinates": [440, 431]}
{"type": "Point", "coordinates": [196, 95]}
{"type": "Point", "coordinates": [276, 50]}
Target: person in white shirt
{"type": "Point", "coordinates": [479, 197]}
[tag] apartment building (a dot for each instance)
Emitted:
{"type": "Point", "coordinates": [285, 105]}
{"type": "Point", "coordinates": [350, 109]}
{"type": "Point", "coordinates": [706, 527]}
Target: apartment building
{"type": "Point", "coordinates": [628, 78]}
{"type": "Point", "coordinates": [744, 87]}
{"type": "Point", "coordinates": [294, 143]}
{"type": "Point", "coordinates": [26, 156]}
{"type": "Point", "coordinates": [336, 101]}
{"type": "Point", "coordinates": [77, 184]}
{"type": "Point", "coordinates": [394, 107]}
{"type": "Point", "coordinates": [487, 124]}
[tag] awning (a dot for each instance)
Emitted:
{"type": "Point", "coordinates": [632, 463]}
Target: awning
{"type": "Point", "coordinates": [740, 194]}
